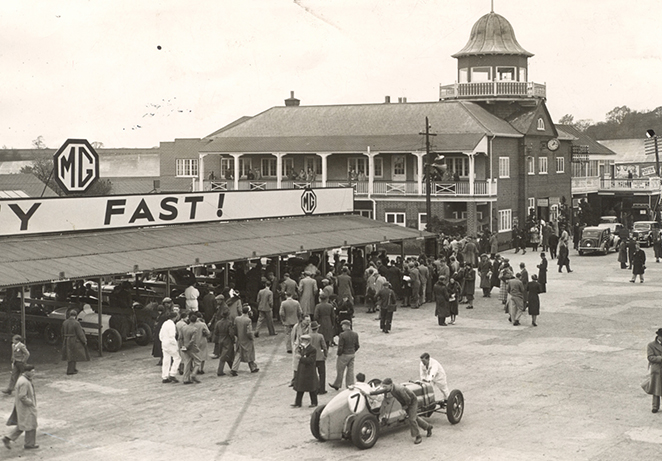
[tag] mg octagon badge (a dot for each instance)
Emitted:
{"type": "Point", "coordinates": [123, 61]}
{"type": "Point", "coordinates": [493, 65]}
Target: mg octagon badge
{"type": "Point", "coordinates": [76, 166]}
{"type": "Point", "coordinates": [308, 201]}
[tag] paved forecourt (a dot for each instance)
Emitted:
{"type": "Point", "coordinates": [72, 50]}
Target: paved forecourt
{"type": "Point", "coordinates": [565, 390]}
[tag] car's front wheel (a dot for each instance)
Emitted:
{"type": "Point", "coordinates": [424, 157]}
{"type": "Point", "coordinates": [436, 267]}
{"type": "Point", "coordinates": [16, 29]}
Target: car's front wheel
{"type": "Point", "coordinates": [455, 407]}
{"type": "Point", "coordinates": [315, 423]}
{"type": "Point", "coordinates": [365, 431]}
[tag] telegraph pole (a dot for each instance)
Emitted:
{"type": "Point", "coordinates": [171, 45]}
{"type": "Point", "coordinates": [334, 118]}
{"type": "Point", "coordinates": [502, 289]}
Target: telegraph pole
{"type": "Point", "coordinates": [427, 169]}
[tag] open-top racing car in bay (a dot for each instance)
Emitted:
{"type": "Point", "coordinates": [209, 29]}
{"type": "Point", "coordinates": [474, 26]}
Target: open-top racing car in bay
{"type": "Point", "coordinates": [356, 415]}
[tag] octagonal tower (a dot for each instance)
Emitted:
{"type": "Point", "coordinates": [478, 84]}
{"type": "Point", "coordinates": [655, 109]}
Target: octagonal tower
{"type": "Point", "coordinates": [492, 65]}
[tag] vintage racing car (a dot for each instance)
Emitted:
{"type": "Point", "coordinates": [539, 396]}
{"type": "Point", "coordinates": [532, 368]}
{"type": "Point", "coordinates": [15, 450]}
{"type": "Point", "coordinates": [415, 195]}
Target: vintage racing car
{"type": "Point", "coordinates": [351, 415]}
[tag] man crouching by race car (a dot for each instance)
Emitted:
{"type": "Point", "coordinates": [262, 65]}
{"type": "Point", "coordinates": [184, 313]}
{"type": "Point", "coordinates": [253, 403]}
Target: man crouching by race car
{"type": "Point", "coordinates": [409, 403]}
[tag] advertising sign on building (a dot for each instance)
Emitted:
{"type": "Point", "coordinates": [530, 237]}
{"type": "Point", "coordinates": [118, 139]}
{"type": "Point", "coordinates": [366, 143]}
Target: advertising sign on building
{"type": "Point", "coordinates": [62, 214]}
{"type": "Point", "coordinates": [75, 166]}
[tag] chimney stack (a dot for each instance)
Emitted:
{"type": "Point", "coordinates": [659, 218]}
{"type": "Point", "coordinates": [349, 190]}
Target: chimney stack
{"type": "Point", "coordinates": [292, 101]}
{"type": "Point", "coordinates": [387, 100]}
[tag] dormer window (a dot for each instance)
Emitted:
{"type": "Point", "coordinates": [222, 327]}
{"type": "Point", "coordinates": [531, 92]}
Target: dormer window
{"type": "Point", "coordinates": [541, 124]}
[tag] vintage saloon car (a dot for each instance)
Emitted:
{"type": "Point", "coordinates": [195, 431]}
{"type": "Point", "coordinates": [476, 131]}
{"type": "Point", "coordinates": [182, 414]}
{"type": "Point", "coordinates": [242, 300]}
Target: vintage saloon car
{"type": "Point", "coordinates": [595, 239]}
{"type": "Point", "coordinates": [351, 415]}
{"type": "Point", "coordinates": [645, 232]}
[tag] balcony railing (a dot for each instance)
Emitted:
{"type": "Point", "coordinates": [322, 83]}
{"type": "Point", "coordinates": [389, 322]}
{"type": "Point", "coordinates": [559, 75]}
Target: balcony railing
{"type": "Point", "coordinates": [585, 185]}
{"type": "Point", "coordinates": [500, 89]}
{"type": "Point", "coordinates": [379, 188]}
{"type": "Point", "coordinates": [635, 184]}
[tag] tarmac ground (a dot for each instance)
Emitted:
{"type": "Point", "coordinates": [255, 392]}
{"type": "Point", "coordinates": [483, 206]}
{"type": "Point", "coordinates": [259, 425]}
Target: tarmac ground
{"type": "Point", "coordinates": [568, 389]}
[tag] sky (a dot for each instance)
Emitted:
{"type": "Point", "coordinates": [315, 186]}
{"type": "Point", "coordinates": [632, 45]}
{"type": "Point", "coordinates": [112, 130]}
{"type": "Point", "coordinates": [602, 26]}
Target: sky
{"type": "Point", "coordinates": [135, 73]}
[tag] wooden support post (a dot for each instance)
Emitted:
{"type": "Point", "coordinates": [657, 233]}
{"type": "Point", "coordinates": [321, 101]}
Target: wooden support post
{"type": "Point", "coordinates": [99, 310]}
{"type": "Point", "coordinates": [167, 293]}
{"type": "Point", "coordinates": [25, 338]}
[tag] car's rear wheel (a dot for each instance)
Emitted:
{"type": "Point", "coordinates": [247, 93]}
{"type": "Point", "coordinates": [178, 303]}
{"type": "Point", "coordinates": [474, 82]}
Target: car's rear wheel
{"type": "Point", "coordinates": [455, 407]}
{"type": "Point", "coordinates": [111, 340]}
{"type": "Point", "coordinates": [52, 334]}
{"type": "Point", "coordinates": [365, 431]}
{"type": "Point", "coordinates": [143, 334]}
{"type": "Point", "coordinates": [315, 423]}
{"type": "Point", "coordinates": [581, 252]}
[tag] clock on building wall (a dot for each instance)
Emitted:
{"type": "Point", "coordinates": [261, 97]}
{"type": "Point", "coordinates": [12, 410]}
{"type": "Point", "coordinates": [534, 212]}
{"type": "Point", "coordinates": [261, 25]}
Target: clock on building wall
{"type": "Point", "coordinates": [553, 144]}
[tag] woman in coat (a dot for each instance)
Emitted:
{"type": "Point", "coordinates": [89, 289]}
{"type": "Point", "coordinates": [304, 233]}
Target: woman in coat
{"type": "Point", "coordinates": [485, 271]}
{"type": "Point", "coordinates": [638, 264]}
{"type": "Point", "coordinates": [454, 295]}
{"type": "Point", "coordinates": [441, 297]}
{"type": "Point", "coordinates": [534, 289]}
{"type": "Point", "coordinates": [306, 378]}
{"type": "Point", "coordinates": [654, 354]}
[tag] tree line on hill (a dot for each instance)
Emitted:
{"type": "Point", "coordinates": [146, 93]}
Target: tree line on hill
{"type": "Point", "coordinates": [620, 123]}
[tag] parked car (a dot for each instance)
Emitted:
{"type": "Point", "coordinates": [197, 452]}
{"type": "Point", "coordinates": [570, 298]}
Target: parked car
{"type": "Point", "coordinates": [645, 232]}
{"type": "Point", "coordinates": [118, 324]}
{"type": "Point", "coordinates": [596, 239]}
{"type": "Point", "coordinates": [349, 414]}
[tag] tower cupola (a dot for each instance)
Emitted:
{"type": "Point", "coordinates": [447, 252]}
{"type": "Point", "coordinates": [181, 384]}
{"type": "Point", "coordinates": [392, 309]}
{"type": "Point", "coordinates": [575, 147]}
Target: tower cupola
{"type": "Point", "coordinates": [492, 64]}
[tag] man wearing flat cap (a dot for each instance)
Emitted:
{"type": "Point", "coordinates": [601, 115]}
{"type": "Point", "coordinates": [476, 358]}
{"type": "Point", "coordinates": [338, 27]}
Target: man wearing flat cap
{"type": "Point", "coordinates": [348, 344]}
{"type": "Point", "coordinates": [319, 343]}
{"type": "Point", "coordinates": [409, 403]}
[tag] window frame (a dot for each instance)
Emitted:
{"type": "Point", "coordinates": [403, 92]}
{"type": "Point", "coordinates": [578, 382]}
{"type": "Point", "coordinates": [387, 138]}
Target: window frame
{"type": "Point", "coordinates": [540, 124]}
{"type": "Point", "coordinates": [560, 164]}
{"type": "Point", "coordinates": [504, 167]}
{"type": "Point", "coordinates": [530, 165]}
{"type": "Point", "coordinates": [543, 164]}
{"type": "Point", "coordinates": [272, 167]}
{"type": "Point", "coordinates": [396, 215]}
{"type": "Point", "coordinates": [505, 220]}
{"type": "Point", "coordinates": [187, 167]}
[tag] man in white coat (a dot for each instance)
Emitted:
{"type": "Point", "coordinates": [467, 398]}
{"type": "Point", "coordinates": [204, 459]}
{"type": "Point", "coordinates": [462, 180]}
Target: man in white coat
{"type": "Point", "coordinates": [431, 371]}
{"type": "Point", "coordinates": [170, 348]}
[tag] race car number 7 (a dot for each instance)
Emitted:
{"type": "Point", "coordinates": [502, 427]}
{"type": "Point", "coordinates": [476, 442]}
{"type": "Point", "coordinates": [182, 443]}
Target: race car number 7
{"type": "Point", "coordinates": [355, 401]}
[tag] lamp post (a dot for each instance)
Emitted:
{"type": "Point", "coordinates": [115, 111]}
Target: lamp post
{"type": "Point", "coordinates": [651, 134]}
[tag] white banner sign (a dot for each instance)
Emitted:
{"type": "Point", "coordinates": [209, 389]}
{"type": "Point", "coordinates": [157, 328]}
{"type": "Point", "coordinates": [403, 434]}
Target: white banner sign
{"type": "Point", "coordinates": [45, 215]}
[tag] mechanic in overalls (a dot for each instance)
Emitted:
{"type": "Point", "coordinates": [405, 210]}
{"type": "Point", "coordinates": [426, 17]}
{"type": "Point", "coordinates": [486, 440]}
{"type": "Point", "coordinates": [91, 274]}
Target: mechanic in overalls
{"type": "Point", "coordinates": [431, 371]}
{"type": "Point", "coordinates": [409, 403]}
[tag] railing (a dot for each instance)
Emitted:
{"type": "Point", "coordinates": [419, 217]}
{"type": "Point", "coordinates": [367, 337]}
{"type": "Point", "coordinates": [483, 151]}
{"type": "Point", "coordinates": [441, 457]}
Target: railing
{"type": "Point", "coordinates": [493, 89]}
{"type": "Point", "coordinates": [380, 187]}
{"type": "Point", "coordinates": [585, 185]}
{"type": "Point", "coordinates": [634, 184]}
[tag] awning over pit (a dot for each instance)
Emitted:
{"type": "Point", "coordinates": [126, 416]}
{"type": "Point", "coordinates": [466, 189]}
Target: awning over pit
{"type": "Point", "coordinates": [44, 259]}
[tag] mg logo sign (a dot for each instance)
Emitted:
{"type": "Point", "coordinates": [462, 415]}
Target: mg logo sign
{"type": "Point", "coordinates": [308, 201]}
{"type": "Point", "coordinates": [76, 165]}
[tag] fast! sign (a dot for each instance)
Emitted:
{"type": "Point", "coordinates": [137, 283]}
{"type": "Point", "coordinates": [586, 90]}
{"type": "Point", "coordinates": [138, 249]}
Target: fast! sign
{"type": "Point", "coordinates": [64, 214]}
{"type": "Point", "coordinates": [76, 165]}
